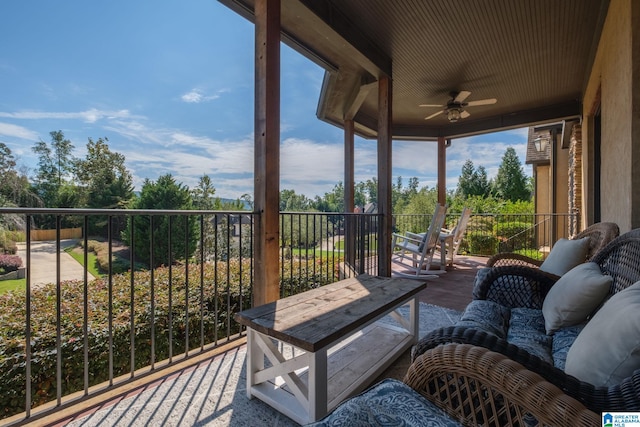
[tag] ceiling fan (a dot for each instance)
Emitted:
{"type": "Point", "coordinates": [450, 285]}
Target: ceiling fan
{"type": "Point", "coordinates": [455, 108]}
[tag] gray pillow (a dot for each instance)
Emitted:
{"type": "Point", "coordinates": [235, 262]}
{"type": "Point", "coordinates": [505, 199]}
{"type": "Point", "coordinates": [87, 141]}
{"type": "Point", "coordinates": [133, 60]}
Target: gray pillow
{"type": "Point", "coordinates": [575, 296]}
{"type": "Point", "coordinates": [608, 348]}
{"type": "Point", "coordinates": [565, 255]}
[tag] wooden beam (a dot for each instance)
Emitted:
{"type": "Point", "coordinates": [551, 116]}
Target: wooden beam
{"type": "Point", "coordinates": [442, 170]}
{"type": "Point", "coordinates": [384, 175]}
{"type": "Point", "coordinates": [356, 99]}
{"type": "Point", "coordinates": [267, 151]}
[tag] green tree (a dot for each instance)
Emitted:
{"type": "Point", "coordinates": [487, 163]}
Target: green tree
{"type": "Point", "coordinates": [14, 185]}
{"type": "Point", "coordinates": [203, 195]}
{"type": "Point", "coordinates": [54, 180]}
{"type": "Point", "coordinates": [400, 195]}
{"type": "Point", "coordinates": [106, 183]}
{"type": "Point", "coordinates": [332, 201]}
{"type": "Point", "coordinates": [472, 181]}
{"type": "Point", "coordinates": [511, 183]}
{"type": "Point", "coordinates": [203, 199]}
{"type": "Point", "coordinates": [419, 208]}
{"type": "Point", "coordinates": [292, 202]}
{"type": "Point", "coordinates": [165, 193]}
{"type": "Point", "coordinates": [56, 166]}
{"type": "Point", "coordinates": [465, 179]}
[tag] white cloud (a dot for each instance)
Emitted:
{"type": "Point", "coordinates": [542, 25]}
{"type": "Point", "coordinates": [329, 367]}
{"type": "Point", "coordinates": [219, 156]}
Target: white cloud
{"type": "Point", "coordinates": [89, 116]}
{"type": "Point", "coordinates": [15, 131]}
{"type": "Point", "coordinates": [196, 96]}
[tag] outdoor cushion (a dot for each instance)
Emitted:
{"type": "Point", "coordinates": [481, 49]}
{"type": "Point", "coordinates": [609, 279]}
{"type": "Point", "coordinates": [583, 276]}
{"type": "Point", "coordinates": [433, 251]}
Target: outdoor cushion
{"type": "Point", "coordinates": [388, 403]}
{"type": "Point", "coordinates": [565, 255]}
{"type": "Point", "coordinates": [526, 330]}
{"type": "Point", "coordinates": [487, 316]}
{"type": "Point", "coordinates": [575, 296]}
{"type": "Point", "coordinates": [562, 341]}
{"type": "Point", "coordinates": [608, 349]}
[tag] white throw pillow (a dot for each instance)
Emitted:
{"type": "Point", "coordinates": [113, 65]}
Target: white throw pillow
{"type": "Point", "coordinates": [565, 255]}
{"type": "Point", "coordinates": [608, 348]}
{"type": "Point", "coordinates": [574, 296]}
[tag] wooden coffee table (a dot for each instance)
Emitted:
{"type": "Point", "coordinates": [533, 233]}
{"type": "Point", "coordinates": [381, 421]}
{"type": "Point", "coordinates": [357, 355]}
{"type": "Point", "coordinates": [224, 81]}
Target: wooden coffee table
{"type": "Point", "coordinates": [308, 352]}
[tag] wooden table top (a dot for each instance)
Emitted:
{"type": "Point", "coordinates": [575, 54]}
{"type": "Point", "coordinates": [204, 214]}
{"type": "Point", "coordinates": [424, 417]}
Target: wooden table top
{"type": "Point", "coordinates": [319, 317]}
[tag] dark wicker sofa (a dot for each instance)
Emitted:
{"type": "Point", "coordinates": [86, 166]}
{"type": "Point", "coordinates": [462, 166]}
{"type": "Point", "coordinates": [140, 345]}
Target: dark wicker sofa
{"type": "Point", "coordinates": [524, 287]}
{"type": "Point", "coordinates": [600, 234]}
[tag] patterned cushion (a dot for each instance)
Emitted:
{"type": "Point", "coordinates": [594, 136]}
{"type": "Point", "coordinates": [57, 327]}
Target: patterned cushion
{"type": "Point", "coordinates": [388, 403]}
{"type": "Point", "coordinates": [562, 341]}
{"type": "Point", "coordinates": [487, 316]}
{"type": "Point", "coordinates": [527, 331]}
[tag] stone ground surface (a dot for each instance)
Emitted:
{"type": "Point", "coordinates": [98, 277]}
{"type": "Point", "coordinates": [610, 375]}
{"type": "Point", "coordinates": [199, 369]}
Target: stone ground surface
{"type": "Point", "coordinates": [44, 262]}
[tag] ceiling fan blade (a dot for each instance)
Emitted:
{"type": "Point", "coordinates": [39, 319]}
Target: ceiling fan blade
{"type": "Point", "coordinates": [482, 102]}
{"type": "Point", "coordinates": [432, 105]}
{"type": "Point", "coordinates": [461, 96]}
{"type": "Point", "coordinates": [464, 114]}
{"type": "Point", "coordinates": [434, 115]}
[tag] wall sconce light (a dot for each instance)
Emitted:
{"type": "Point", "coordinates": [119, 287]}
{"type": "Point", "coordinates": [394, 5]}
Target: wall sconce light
{"type": "Point", "coordinates": [453, 115]}
{"type": "Point", "coordinates": [541, 142]}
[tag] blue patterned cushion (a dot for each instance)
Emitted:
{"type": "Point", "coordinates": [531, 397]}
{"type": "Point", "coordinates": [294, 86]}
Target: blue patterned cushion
{"type": "Point", "coordinates": [562, 341]}
{"type": "Point", "coordinates": [480, 277]}
{"type": "Point", "coordinates": [527, 331]}
{"type": "Point", "coordinates": [388, 403]}
{"type": "Point", "coordinates": [486, 316]}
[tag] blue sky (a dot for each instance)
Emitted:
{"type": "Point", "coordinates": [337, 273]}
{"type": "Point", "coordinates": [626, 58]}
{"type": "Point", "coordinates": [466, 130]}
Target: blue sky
{"type": "Point", "coordinates": [170, 84]}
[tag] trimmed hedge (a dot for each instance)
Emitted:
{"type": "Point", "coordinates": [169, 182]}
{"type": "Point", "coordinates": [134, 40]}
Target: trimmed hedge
{"type": "Point", "coordinates": [222, 296]}
{"type": "Point", "coordinates": [515, 235]}
{"type": "Point", "coordinates": [9, 263]}
{"type": "Point", "coordinates": [482, 243]}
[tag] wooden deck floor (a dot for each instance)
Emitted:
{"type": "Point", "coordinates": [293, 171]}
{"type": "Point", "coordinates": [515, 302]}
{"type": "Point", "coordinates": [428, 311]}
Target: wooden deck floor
{"type": "Point", "coordinates": [453, 288]}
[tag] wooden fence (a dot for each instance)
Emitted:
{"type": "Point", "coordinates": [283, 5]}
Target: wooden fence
{"type": "Point", "coordinates": [65, 233]}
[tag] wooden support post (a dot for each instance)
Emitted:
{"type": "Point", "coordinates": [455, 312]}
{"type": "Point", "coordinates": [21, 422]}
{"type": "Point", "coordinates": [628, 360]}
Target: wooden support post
{"type": "Point", "coordinates": [349, 191]}
{"type": "Point", "coordinates": [267, 151]}
{"type": "Point", "coordinates": [384, 175]}
{"type": "Point", "coordinates": [442, 170]}
{"type": "Point", "coordinates": [349, 161]}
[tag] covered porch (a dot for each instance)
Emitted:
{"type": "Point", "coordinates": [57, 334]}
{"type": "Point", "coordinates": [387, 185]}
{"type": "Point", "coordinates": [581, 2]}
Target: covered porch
{"type": "Point", "coordinates": [543, 62]}
{"type": "Point", "coordinates": [211, 389]}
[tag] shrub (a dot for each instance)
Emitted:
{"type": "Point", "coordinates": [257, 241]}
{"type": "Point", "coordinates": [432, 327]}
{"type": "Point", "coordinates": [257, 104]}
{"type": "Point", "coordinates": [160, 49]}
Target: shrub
{"type": "Point", "coordinates": [9, 263]}
{"type": "Point", "coordinates": [514, 235]}
{"type": "Point", "coordinates": [531, 253]}
{"type": "Point", "coordinates": [225, 289]}
{"type": "Point", "coordinates": [118, 263]}
{"type": "Point", "coordinates": [482, 243]}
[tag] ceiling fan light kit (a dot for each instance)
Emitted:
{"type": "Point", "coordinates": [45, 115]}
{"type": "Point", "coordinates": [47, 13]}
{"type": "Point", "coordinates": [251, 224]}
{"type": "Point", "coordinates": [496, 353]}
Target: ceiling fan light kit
{"type": "Point", "coordinates": [455, 108]}
{"type": "Point", "coordinates": [453, 115]}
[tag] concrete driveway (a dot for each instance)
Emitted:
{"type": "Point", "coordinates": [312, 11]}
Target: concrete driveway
{"type": "Point", "coordinates": [44, 263]}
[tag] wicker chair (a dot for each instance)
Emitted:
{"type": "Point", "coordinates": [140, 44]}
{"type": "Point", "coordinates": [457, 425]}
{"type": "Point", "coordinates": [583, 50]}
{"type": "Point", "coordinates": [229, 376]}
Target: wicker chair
{"type": "Point", "coordinates": [525, 287]}
{"type": "Point", "coordinates": [600, 234]}
{"type": "Point", "coordinates": [477, 387]}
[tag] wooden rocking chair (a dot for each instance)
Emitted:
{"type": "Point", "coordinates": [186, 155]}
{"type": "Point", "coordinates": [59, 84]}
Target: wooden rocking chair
{"type": "Point", "coordinates": [450, 240]}
{"type": "Point", "coordinates": [414, 252]}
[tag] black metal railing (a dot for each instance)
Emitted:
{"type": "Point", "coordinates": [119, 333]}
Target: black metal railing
{"type": "Point", "coordinates": [320, 248]}
{"type": "Point", "coordinates": [155, 288]}
{"type": "Point", "coordinates": [488, 234]}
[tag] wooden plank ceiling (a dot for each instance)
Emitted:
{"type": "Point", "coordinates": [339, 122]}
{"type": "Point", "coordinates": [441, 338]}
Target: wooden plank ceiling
{"type": "Point", "coordinates": [532, 56]}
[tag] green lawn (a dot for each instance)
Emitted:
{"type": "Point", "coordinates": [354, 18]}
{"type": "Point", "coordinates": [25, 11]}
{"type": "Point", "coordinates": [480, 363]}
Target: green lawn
{"type": "Point", "coordinates": [311, 252]}
{"type": "Point", "coordinates": [92, 259]}
{"type": "Point", "coordinates": [11, 285]}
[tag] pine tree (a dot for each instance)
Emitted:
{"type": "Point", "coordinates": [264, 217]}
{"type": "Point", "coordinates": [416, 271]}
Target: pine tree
{"type": "Point", "coordinates": [511, 183]}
